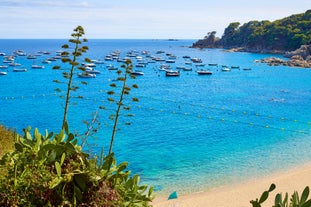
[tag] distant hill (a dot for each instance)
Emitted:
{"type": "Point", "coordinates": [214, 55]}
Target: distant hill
{"type": "Point", "coordinates": [279, 36]}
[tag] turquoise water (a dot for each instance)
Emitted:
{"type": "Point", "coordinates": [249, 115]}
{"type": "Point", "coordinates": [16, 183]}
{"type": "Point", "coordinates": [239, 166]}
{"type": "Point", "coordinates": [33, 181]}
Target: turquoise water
{"type": "Point", "coordinates": [188, 133]}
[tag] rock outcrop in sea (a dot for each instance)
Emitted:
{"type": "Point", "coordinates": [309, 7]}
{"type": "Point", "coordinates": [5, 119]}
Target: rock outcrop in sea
{"type": "Point", "coordinates": [297, 58]}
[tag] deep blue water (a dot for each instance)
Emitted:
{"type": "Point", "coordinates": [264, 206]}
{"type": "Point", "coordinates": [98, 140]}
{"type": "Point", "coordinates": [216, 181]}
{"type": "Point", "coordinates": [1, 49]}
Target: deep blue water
{"type": "Point", "coordinates": [188, 133]}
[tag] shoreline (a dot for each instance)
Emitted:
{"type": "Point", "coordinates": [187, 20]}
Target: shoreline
{"type": "Point", "coordinates": [240, 195]}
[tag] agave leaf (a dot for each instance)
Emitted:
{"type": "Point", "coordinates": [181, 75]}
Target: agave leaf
{"type": "Point", "coordinates": [58, 169]}
{"type": "Point", "coordinates": [307, 204]}
{"type": "Point", "coordinates": [52, 157]}
{"type": "Point", "coordinates": [81, 181]}
{"type": "Point", "coordinates": [304, 195]}
{"type": "Point", "coordinates": [62, 158]}
{"type": "Point", "coordinates": [77, 193]}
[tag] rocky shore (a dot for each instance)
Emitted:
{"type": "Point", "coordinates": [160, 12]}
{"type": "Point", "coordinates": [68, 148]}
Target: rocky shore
{"type": "Point", "coordinates": [298, 58]}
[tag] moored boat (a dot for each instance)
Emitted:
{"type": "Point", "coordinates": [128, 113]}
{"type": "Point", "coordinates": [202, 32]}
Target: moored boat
{"type": "Point", "coordinates": [204, 72]}
{"type": "Point", "coordinates": [37, 66]}
{"type": "Point", "coordinates": [19, 70]}
{"type": "Point", "coordinates": [172, 73]}
{"type": "Point", "coordinates": [3, 66]}
{"type": "Point", "coordinates": [86, 75]}
{"type": "Point", "coordinates": [137, 72]}
{"type": "Point", "coordinates": [3, 72]}
{"type": "Point", "coordinates": [226, 69]}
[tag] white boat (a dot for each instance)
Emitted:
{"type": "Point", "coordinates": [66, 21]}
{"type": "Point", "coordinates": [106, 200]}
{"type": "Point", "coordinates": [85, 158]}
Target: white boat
{"type": "Point", "coordinates": [14, 64]}
{"type": "Point", "coordinates": [19, 70]}
{"type": "Point", "coordinates": [180, 67]}
{"type": "Point", "coordinates": [91, 70]}
{"type": "Point", "coordinates": [86, 75]}
{"type": "Point", "coordinates": [137, 72]}
{"type": "Point", "coordinates": [172, 73]}
{"type": "Point", "coordinates": [90, 65]}
{"type": "Point", "coordinates": [187, 69]}
{"type": "Point", "coordinates": [226, 69]}
{"type": "Point", "coordinates": [112, 68]}
{"type": "Point", "coordinates": [196, 60]}
{"type": "Point", "coordinates": [3, 66]}
{"type": "Point", "coordinates": [170, 61]}
{"type": "Point", "coordinates": [31, 57]}
{"type": "Point", "coordinates": [46, 61]}
{"type": "Point", "coordinates": [3, 73]}
{"type": "Point", "coordinates": [204, 72]}
{"type": "Point", "coordinates": [97, 61]}
{"type": "Point", "coordinates": [37, 66]}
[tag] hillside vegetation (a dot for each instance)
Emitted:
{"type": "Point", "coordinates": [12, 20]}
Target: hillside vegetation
{"type": "Point", "coordinates": [282, 35]}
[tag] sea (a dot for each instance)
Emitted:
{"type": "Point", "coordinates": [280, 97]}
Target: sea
{"type": "Point", "coordinates": [188, 133]}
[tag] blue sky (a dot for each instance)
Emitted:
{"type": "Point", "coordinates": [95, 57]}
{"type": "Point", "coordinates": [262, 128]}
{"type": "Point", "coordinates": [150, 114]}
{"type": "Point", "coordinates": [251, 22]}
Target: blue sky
{"type": "Point", "coordinates": [160, 19]}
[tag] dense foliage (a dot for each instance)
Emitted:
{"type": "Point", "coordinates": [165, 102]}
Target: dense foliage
{"type": "Point", "coordinates": [286, 34]}
{"type": "Point", "coordinates": [52, 170]}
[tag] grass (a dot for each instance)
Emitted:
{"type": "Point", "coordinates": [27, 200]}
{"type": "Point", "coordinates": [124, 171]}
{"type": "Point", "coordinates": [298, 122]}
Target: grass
{"type": "Point", "coordinates": [6, 140]}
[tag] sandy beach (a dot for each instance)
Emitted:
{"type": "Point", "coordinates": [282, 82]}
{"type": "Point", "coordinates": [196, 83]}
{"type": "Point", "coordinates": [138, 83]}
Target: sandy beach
{"type": "Point", "coordinates": [241, 194]}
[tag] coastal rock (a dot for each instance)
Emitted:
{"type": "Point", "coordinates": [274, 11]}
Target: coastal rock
{"type": "Point", "coordinates": [273, 61]}
{"type": "Point", "coordinates": [298, 58]}
{"type": "Point", "coordinates": [304, 51]}
{"type": "Point", "coordinates": [299, 61]}
{"type": "Point", "coordinates": [294, 61]}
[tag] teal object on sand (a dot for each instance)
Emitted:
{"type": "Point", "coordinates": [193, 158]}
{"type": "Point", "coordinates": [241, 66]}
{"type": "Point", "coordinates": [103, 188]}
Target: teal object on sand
{"type": "Point", "coordinates": [173, 196]}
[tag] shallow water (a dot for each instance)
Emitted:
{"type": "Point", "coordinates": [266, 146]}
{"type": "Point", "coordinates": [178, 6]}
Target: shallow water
{"type": "Point", "coordinates": [189, 133]}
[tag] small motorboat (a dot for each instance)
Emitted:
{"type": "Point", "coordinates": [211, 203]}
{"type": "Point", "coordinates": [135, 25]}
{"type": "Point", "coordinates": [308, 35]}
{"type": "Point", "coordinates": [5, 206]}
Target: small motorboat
{"type": "Point", "coordinates": [3, 73]}
{"type": "Point", "coordinates": [86, 75]}
{"type": "Point", "coordinates": [225, 69]}
{"type": "Point", "coordinates": [137, 72]}
{"type": "Point", "coordinates": [172, 73]}
{"type": "Point", "coordinates": [19, 70]}
{"type": "Point", "coordinates": [91, 70]}
{"type": "Point", "coordinates": [204, 72]}
{"type": "Point", "coordinates": [37, 66]}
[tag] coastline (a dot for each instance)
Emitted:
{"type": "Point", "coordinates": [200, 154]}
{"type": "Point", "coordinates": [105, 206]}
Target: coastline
{"type": "Point", "coordinates": [240, 195]}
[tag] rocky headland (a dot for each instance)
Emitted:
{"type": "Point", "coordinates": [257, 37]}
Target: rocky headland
{"type": "Point", "coordinates": [289, 36]}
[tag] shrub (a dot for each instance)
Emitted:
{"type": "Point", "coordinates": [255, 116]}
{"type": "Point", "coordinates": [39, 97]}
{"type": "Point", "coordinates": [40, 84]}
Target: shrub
{"type": "Point", "coordinates": [52, 170]}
